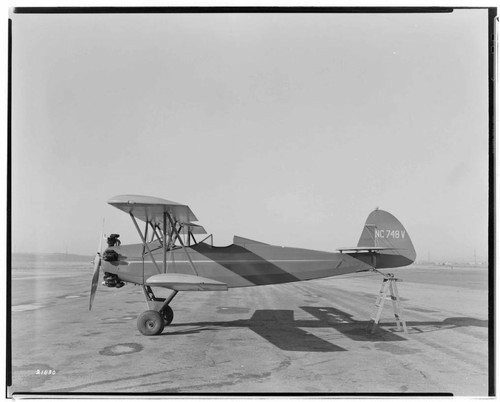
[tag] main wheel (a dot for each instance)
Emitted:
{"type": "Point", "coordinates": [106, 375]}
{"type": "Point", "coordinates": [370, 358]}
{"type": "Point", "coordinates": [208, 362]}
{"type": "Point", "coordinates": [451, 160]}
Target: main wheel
{"type": "Point", "coordinates": [168, 315]}
{"type": "Point", "coordinates": [150, 323]}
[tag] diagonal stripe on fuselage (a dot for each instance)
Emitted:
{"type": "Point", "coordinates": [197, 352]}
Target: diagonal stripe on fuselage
{"type": "Point", "coordinates": [247, 264]}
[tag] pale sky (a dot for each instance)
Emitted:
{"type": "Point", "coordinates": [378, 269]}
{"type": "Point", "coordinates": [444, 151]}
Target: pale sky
{"type": "Point", "coordinates": [284, 128]}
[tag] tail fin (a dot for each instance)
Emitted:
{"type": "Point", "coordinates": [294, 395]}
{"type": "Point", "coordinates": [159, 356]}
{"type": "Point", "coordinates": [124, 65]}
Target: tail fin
{"type": "Point", "coordinates": [382, 229]}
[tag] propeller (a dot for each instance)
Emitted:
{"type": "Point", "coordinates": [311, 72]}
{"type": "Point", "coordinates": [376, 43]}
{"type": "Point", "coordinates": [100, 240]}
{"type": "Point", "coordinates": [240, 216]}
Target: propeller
{"type": "Point", "coordinates": [97, 268]}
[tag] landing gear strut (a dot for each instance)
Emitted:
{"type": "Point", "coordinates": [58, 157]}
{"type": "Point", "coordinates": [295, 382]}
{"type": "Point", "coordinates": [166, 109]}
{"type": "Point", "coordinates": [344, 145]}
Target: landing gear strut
{"type": "Point", "coordinates": [160, 314]}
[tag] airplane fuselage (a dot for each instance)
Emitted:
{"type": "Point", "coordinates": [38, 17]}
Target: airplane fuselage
{"type": "Point", "coordinates": [237, 265]}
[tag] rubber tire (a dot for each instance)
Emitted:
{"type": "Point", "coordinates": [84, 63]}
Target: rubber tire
{"type": "Point", "coordinates": [150, 323]}
{"type": "Point", "coordinates": [168, 315]}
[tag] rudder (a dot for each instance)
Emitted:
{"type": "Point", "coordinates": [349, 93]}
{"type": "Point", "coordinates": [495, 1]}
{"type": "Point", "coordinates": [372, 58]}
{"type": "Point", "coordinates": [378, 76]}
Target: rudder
{"type": "Point", "coordinates": [383, 229]}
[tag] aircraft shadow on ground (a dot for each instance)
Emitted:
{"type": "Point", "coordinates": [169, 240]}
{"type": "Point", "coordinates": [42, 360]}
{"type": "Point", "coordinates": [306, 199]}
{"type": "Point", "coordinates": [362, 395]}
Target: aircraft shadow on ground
{"type": "Point", "coordinates": [280, 328]}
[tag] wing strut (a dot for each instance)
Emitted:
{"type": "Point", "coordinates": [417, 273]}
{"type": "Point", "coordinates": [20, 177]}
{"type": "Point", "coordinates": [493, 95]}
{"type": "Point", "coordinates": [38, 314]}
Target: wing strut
{"type": "Point", "coordinates": [155, 233]}
{"type": "Point", "coordinates": [174, 229]}
{"type": "Point", "coordinates": [144, 242]}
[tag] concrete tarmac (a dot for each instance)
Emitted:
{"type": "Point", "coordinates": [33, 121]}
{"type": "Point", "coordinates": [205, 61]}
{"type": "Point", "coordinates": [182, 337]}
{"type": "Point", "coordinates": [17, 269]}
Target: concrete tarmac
{"type": "Point", "coordinates": [305, 337]}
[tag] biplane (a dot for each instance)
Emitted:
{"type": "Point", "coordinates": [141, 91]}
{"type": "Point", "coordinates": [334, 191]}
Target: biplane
{"type": "Point", "coordinates": [170, 256]}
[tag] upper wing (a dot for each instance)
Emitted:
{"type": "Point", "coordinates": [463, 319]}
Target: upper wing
{"type": "Point", "coordinates": [151, 209]}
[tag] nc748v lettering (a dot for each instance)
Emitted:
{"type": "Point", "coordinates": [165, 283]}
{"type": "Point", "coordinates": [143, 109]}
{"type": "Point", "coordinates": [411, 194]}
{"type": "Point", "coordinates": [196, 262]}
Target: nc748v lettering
{"type": "Point", "coordinates": [390, 234]}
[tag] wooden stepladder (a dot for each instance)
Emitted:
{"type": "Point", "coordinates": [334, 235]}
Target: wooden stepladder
{"type": "Point", "coordinates": [389, 286]}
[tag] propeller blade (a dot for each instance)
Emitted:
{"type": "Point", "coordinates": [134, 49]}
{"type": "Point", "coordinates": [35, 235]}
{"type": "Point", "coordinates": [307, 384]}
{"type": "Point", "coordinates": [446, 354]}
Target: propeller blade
{"type": "Point", "coordinates": [95, 278]}
{"type": "Point", "coordinates": [97, 268]}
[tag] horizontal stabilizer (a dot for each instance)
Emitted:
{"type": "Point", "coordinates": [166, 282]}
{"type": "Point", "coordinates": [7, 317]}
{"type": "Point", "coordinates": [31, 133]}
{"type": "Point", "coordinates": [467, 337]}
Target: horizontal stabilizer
{"type": "Point", "coordinates": [185, 282]}
{"type": "Point", "coordinates": [364, 249]}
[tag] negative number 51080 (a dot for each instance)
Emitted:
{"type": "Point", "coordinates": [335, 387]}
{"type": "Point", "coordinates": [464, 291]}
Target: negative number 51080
{"type": "Point", "coordinates": [45, 372]}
